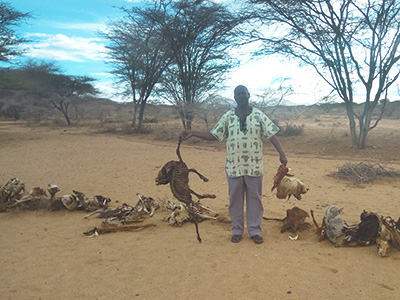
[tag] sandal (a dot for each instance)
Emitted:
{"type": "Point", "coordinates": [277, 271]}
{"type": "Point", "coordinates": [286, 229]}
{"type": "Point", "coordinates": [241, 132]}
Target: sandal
{"type": "Point", "coordinates": [257, 239]}
{"type": "Point", "coordinates": [236, 238]}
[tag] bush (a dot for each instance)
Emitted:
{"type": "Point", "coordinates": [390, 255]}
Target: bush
{"type": "Point", "coordinates": [150, 120]}
{"type": "Point", "coordinates": [165, 135]}
{"type": "Point", "coordinates": [289, 129]}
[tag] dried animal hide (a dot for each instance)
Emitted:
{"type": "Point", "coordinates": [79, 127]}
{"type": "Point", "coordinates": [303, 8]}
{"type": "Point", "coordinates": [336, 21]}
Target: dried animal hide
{"type": "Point", "coordinates": [335, 226]}
{"type": "Point", "coordinates": [294, 220]}
{"type": "Point", "coordinates": [364, 233]}
{"type": "Point", "coordinates": [388, 234]}
{"type": "Point", "coordinates": [320, 232]}
{"type": "Point", "coordinates": [108, 228]}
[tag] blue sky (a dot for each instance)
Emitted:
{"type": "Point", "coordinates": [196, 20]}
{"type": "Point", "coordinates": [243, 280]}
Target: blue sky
{"type": "Point", "coordinates": [67, 32]}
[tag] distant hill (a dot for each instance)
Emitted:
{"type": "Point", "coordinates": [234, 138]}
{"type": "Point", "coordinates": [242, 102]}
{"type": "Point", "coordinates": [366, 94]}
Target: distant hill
{"type": "Point", "coordinates": [16, 105]}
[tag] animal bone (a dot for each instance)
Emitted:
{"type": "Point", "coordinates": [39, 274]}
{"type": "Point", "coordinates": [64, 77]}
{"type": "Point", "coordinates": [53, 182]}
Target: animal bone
{"type": "Point", "coordinates": [92, 203]}
{"type": "Point", "coordinates": [70, 202]}
{"type": "Point", "coordinates": [35, 199]}
{"type": "Point", "coordinates": [120, 211]}
{"type": "Point", "coordinates": [15, 186]}
{"type": "Point", "coordinates": [11, 191]}
{"type": "Point", "coordinates": [181, 214]}
{"type": "Point", "coordinates": [146, 205]}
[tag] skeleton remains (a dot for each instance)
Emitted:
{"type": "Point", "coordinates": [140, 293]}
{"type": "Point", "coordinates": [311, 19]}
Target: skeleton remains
{"type": "Point", "coordinates": [108, 228]}
{"type": "Point", "coordinates": [122, 217]}
{"type": "Point", "coordinates": [180, 213]}
{"type": "Point", "coordinates": [372, 229]}
{"type": "Point", "coordinates": [176, 173]}
{"type": "Point", "coordinates": [11, 192]}
{"type": "Point", "coordinates": [92, 203]}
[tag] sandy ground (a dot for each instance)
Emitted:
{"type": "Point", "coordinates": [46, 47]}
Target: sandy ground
{"type": "Point", "coordinates": [44, 255]}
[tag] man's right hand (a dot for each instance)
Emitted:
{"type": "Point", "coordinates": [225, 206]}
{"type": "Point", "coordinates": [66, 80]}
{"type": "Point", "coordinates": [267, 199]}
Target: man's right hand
{"type": "Point", "coordinates": [186, 134]}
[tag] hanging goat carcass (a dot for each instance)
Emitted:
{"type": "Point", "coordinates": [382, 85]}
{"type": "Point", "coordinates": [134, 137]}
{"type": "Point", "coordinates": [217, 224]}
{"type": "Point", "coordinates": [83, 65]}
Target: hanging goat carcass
{"type": "Point", "coordinates": [176, 173]}
{"type": "Point", "coordinates": [286, 185]}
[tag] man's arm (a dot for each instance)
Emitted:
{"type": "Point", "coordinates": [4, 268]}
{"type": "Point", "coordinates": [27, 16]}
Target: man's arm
{"type": "Point", "coordinates": [205, 135]}
{"type": "Point", "coordinates": [282, 156]}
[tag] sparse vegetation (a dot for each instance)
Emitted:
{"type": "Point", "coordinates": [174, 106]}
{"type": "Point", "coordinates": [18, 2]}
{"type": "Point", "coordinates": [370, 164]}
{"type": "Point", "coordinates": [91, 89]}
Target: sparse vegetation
{"type": "Point", "coordinates": [362, 172]}
{"type": "Point", "coordinates": [291, 130]}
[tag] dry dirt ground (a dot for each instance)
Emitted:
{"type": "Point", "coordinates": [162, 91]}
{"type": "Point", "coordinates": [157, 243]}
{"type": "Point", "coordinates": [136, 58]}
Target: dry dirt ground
{"type": "Point", "coordinates": [44, 255]}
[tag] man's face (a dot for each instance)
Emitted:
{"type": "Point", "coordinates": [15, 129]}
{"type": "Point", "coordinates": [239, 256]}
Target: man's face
{"type": "Point", "coordinates": [242, 96]}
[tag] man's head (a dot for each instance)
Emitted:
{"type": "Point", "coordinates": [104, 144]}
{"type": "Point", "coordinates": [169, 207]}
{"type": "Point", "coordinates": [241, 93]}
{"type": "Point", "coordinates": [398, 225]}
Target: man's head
{"type": "Point", "coordinates": [241, 95]}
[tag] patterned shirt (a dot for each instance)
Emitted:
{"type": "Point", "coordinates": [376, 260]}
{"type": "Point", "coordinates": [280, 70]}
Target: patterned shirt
{"type": "Point", "coordinates": [244, 145]}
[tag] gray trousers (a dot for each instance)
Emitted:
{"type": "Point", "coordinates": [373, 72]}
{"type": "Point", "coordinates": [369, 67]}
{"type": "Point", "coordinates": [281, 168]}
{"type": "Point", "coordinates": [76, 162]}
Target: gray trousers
{"type": "Point", "coordinates": [251, 188]}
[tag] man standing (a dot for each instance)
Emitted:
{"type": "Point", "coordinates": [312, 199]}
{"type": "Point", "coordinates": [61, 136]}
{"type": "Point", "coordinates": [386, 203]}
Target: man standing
{"type": "Point", "coordinates": [242, 128]}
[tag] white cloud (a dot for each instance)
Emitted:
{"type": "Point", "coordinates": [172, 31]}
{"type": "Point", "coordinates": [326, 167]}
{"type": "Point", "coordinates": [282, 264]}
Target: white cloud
{"type": "Point", "coordinates": [78, 26]}
{"type": "Point", "coordinates": [267, 72]}
{"type": "Point", "coordinates": [103, 74]}
{"type": "Point", "coordinates": [62, 47]}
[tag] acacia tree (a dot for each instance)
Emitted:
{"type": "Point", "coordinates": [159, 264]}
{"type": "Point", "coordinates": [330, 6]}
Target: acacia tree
{"type": "Point", "coordinates": [213, 108]}
{"type": "Point", "coordinates": [353, 45]}
{"type": "Point", "coordinates": [273, 97]}
{"type": "Point", "coordinates": [68, 90]}
{"type": "Point", "coordinates": [199, 35]}
{"type": "Point", "coordinates": [138, 55]}
{"type": "Point", "coordinates": [10, 18]}
{"type": "Point", "coordinates": [45, 80]}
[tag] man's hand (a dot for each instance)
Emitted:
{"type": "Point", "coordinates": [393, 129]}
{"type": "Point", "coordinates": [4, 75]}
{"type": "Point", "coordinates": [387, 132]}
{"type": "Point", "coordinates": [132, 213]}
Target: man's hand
{"type": "Point", "coordinates": [186, 134]}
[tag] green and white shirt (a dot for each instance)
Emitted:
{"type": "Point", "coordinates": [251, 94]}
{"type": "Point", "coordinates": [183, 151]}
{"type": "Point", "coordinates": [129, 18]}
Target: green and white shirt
{"type": "Point", "coordinates": [244, 145]}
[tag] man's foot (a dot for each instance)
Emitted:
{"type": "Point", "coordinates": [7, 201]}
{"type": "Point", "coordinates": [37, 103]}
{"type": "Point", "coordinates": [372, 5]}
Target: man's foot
{"type": "Point", "coordinates": [236, 238]}
{"type": "Point", "coordinates": [257, 239]}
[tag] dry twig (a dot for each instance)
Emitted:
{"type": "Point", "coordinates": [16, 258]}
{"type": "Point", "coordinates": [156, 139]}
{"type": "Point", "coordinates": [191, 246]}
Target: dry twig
{"type": "Point", "coordinates": [362, 172]}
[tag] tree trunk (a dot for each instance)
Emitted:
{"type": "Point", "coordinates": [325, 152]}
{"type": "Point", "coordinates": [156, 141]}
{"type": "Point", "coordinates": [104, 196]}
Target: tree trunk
{"type": "Point", "coordinates": [63, 108]}
{"type": "Point", "coordinates": [365, 126]}
{"type": "Point", "coordinates": [189, 124]}
{"type": "Point", "coordinates": [141, 114]}
{"type": "Point", "coordinates": [352, 124]}
{"type": "Point", "coordinates": [189, 119]}
{"type": "Point", "coordinates": [67, 118]}
{"type": "Point", "coordinates": [134, 115]}
{"type": "Point", "coordinates": [183, 120]}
